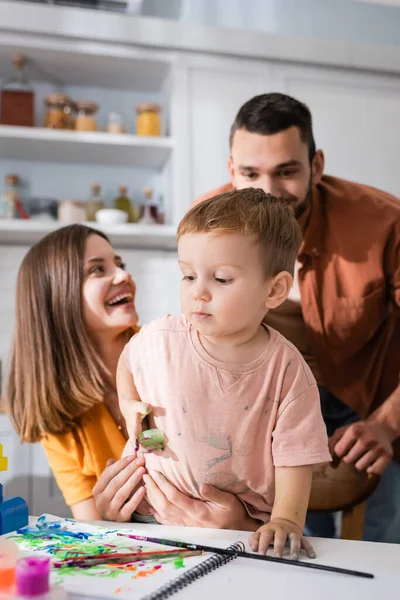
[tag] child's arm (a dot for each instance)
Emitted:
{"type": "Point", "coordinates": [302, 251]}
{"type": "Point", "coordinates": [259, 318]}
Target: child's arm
{"type": "Point", "coordinates": [292, 493]}
{"type": "Point", "coordinates": [132, 408]}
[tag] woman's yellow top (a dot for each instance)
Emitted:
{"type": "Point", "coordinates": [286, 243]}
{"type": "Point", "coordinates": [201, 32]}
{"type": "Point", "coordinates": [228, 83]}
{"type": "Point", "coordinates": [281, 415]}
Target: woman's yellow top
{"type": "Point", "coordinates": [78, 458]}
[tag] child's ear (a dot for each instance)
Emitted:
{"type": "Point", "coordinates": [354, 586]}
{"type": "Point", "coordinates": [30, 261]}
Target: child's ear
{"type": "Point", "coordinates": [278, 289]}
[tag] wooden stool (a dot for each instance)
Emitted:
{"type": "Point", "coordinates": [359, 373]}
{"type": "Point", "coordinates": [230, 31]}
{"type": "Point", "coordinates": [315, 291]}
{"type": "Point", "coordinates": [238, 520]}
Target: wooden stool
{"type": "Point", "coordinates": [342, 489]}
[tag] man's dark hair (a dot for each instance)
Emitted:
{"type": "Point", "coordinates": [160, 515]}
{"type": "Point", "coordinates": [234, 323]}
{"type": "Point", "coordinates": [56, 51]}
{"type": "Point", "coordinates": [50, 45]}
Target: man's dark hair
{"type": "Point", "coordinates": [271, 113]}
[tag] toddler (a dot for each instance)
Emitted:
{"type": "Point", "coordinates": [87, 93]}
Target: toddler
{"type": "Point", "coordinates": [238, 406]}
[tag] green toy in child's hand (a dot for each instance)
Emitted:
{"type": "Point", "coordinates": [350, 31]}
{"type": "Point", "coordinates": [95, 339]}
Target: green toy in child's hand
{"type": "Point", "coordinates": [151, 437]}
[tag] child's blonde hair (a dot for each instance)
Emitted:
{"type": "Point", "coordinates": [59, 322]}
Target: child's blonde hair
{"type": "Point", "coordinates": [250, 212]}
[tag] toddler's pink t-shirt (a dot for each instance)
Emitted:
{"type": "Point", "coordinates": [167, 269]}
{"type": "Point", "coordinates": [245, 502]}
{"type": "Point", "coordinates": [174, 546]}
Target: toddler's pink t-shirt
{"type": "Point", "coordinates": [226, 425]}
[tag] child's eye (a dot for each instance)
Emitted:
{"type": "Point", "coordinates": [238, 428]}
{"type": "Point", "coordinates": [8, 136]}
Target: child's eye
{"type": "Point", "coordinates": [222, 280]}
{"type": "Point", "coordinates": [188, 278]}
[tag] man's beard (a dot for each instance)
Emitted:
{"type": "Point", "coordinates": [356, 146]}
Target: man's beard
{"type": "Point", "coordinates": [299, 206]}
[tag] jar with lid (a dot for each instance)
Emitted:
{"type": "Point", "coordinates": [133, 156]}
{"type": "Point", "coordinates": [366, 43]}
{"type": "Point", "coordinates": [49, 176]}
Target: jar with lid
{"type": "Point", "coordinates": [148, 121]}
{"type": "Point", "coordinates": [85, 120]}
{"type": "Point", "coordinates": [58, 113]}
{"type": "Point", "coordinates": [94, 203]}
{"type": "Point", "coordinates": [115, 123]}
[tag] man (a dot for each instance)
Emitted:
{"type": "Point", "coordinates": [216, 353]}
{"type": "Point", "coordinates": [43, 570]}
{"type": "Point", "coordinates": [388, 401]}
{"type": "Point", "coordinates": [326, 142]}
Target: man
{"type": "Point", "coordinates": [343, 312]}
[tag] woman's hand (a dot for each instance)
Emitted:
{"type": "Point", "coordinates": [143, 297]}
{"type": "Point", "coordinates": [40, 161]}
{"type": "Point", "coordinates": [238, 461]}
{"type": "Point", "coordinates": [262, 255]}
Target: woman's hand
{"type": "Point", "coordinates": [277, 533]}
{"type": "Point", "coordinates": [220, 510]}
{"type": "Point", "coordinates": [118, 492]}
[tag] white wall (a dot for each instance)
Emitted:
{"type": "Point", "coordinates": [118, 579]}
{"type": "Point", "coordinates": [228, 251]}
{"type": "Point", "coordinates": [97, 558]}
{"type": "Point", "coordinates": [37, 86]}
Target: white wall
{"type": "Point", "coordinates": [355, 117]}
{"type": "Point", "coordinates": [328, 19]}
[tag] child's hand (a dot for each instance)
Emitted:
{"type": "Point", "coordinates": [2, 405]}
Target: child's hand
{"type": "Point", "coordinates": [134, 411]}
{"type": "Point", "coordinates": [278, 533]}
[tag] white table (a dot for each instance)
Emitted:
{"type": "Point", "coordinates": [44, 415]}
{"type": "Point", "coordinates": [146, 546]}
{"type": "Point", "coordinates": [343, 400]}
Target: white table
{"type": "Point", "coordinates": [243, 578]}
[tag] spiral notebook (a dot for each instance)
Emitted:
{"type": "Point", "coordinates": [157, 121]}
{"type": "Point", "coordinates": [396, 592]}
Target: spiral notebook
{"type": "Point", "coordinates": [149, 580]}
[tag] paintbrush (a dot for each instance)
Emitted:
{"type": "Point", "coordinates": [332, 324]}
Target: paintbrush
{"type": "Point", "coordinates": [293, 563]}
{"type": "Point", "coordinates": [90, 560]}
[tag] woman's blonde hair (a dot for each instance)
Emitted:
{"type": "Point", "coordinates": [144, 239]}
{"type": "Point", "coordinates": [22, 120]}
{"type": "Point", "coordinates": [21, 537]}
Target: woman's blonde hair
{"type": "Point", "coordinates": [56, 374]}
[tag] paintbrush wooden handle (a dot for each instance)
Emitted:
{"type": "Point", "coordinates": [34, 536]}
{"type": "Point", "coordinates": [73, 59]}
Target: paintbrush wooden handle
{"type": "Point", "coordinates": [121, 558]}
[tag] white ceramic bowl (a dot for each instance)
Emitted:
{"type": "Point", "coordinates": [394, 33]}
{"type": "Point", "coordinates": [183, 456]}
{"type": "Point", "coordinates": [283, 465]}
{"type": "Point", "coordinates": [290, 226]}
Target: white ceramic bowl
{"type": "Point", "coordinates": [111, 216]}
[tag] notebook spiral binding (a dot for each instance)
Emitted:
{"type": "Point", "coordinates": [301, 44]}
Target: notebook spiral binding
{"type": "Point", "coordinates": [214, 562]}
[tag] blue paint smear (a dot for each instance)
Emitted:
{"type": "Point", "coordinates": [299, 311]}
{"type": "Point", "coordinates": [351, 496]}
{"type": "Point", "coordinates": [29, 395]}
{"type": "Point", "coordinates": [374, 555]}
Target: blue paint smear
{"type": "Point", "coordinates": [43, 528]}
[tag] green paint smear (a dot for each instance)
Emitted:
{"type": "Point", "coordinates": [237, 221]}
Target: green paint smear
{"type": "Point", "coordinates": [178, 563]}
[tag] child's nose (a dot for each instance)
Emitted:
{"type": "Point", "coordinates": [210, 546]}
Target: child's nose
{"type": "Point", "coordinates": [201, 293]}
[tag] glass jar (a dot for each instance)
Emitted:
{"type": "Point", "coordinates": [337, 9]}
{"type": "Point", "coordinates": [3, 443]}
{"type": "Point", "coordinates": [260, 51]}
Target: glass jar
{"type": "Point", "coordinates": [115, 123]}
{"type": "Point", "coordinates": [85, 120]}
{"type": "Point", "coordinates": [58, 114]}
{"type": "Point", "coordinates": [71, 211]}
{"type": "Point", "coordinates": [148, 121]}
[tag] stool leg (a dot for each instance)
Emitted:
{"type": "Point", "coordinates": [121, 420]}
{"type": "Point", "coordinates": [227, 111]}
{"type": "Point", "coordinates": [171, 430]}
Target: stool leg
{"type": "Point", "coordinates": [353, 522]}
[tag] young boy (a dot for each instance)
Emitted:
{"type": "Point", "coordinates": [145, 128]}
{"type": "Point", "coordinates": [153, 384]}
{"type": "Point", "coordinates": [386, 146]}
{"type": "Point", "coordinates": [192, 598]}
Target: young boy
{"type": "Point", "coordinates": [238, 405]}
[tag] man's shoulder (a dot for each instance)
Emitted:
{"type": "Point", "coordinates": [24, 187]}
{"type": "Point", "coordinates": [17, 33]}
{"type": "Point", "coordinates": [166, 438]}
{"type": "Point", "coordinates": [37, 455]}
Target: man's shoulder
{"type": "Point", "coordinates": [358, 197]}
{"type": "Point", "coordinates": [227, 187]}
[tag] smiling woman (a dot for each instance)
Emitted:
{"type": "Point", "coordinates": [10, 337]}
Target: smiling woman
{"type": "Point", "coordinates": [75, 312]}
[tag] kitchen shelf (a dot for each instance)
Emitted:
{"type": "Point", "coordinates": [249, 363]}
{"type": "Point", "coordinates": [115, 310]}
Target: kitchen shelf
{"type": "Point", "coordinates": [86, 63]}
{"type": "Point", "coordinates": [54, 145]}
{"type": "Point", "coordinates": [127, 235]}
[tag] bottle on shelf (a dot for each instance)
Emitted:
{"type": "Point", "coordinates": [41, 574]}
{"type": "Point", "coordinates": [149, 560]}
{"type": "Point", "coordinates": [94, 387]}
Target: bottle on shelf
{"type": "Point", "coordinates": [161, 211]}
{"type": "Point", "coordinates": [17, 98]}
{"type": "Point", "coordinates": [94, 203]}
{"type": "Point", "coordinates": [10, 201]}
{"type": "Point", "coordinates": [122, 202]}
{"type": "Point", "coordinates": [149, 209]}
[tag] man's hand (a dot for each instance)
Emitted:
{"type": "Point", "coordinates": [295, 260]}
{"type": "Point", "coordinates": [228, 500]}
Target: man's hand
{"type": "Point", "coordinates": [277, 533]}
{"type": "Point", "coordinates": [220, 510]}
{"type": "Point", "coordinates": [366, 444]}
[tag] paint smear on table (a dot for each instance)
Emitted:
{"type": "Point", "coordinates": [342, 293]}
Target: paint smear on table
{"type": "Point", "coordinates": [66, 538]}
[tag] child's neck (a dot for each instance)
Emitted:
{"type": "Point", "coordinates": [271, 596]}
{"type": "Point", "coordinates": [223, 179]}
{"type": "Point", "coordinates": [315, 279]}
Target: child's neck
{"type": "Point", "coordinates": [240, 348]}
